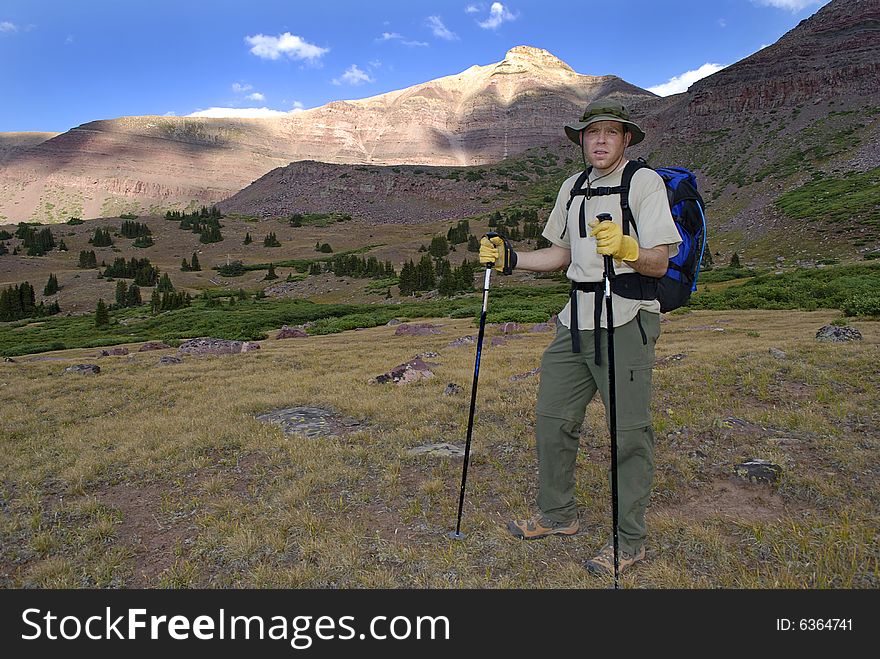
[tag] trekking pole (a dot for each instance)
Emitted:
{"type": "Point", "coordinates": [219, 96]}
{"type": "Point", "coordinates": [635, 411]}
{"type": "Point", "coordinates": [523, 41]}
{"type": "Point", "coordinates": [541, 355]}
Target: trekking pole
{"type": "Point", "coordinates": [457, 534]}
{"type": "Point", "coordinates": [607, 276]}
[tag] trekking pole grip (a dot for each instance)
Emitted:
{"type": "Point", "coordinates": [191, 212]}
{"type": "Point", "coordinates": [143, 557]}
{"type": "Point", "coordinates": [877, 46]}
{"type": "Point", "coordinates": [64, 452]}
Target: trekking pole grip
{"type": "Point", "coordinates": [607, 260]}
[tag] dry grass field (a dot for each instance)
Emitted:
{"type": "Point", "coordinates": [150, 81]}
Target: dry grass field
{"type": "Point", "coordinates": [160, 476]}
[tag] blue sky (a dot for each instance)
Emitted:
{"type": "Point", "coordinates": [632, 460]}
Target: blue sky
{"type": "Point", "coordinates": [64, 63]}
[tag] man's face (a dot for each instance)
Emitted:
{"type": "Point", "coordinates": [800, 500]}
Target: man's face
{"type": "Point", "coordinates": [604, 142]}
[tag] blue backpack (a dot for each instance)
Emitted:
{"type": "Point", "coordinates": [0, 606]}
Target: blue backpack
{"type": "Point", "coordinates": [674, 289]}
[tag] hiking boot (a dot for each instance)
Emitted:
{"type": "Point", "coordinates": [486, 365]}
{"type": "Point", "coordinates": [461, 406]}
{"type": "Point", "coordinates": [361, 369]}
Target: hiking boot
{"type": "Point", "coordinates": [541, 527]}
{"type": "Point", "coordinates": [603, 562]}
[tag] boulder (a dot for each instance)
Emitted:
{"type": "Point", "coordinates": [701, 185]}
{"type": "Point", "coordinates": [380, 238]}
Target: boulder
{"type": "Point", "coordinates": [291, 333]}
{"type": "Point", "coordinates": [249, 346]}
{"type": "Point", "coordinates": [758, 471]}
{"type": "Point", "coordinates": [114, 351]}
{"type": "Point", "coordinates": [510, 328]}
{"type": "Point", "coordinates": [410, 371]}
{"type": "Point", "coordinates": [776, 353]}
{"type": "Point", "coordinates": [463, 341]}
{"type": "Point", "coordinates": [83, 369]}
{"type": "Point", "coordinates": [838, 334]}
{"type": "Point", "coordinates": [206, 345]}
{"type": "Point", "coordinates": [170, 359]}
{"type": "Point", "coordinates": [452, 389]}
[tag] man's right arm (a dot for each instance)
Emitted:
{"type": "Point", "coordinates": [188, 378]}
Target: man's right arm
{"type": "Point", "coordinates": [547, 259]}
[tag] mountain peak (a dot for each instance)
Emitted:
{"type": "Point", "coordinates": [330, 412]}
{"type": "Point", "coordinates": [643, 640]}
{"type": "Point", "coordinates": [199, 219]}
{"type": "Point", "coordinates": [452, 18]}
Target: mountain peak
{"type": "Point", "coordinates": [531, 56]}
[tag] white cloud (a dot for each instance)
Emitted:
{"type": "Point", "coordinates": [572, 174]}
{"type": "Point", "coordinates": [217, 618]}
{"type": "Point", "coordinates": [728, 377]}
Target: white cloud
{"type": "Point", "coordinates": [394, 36]}
{"type": "Point", "coordinates": [353, 76]}
{"type": "Point", "coordinates": [256, 96]}
{"type": "Point", "coordinates": [680, 83]}
{"type": "Point", "coordinates": [498, 14]}
{"type": "Point", "coordinates": [238, 88]}
{"type": "Point", "coordinates": [791, 5]}
{"type": "Point", "coordinates": [471, 9]}
{"type": "Point", "coordinates": [295, 47]}
{"type": "Point", "coordinates": [375, 64]}
{"type": "Point", "coordinates": [297, 107]}
{"type": "Point", "coordinates": [170, 113]}
{"type": "Point", "coordinates": [722, 22]}
{"type": "Point", "coordinates": [238, 113]}
{"type": "Point", "coordinates": [440, 30]}
{"type": "Point", "coordinates": [69, 39]}
{"type": "Point", "coordinates": [6, 26]}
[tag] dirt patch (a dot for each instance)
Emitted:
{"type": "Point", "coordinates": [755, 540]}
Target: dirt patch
{"type": "Point", "coordinates": [724, 497]}
{"type": "Point", "coordinates": [153, 535]}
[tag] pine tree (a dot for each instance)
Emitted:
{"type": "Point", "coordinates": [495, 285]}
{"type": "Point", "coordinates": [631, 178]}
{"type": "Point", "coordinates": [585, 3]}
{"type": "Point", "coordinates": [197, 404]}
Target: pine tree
{"type": "Point", "coordinates": [271, 274]}
{"type": "Point", "coordinates": [439, 247]}
{"type": "Point", "coordinates": [473, 244]}
{"type": "Point", "coordinates": [425, 278]}
{"type": "Point", "coordinates": [196, 266]}
{"type": "Point", "coordinates": [62, 247]}
{"type": "Point", "coordinates": [247, 239]}
{"type": "Point", "coordinates": [734, 261]}
{"type": "Point", "coordinates": [121, 291]}
{"type": "Point", "coordinates": [133, 297]}
{"type": "Point", "coordinates": [165, 284]}
{"type": "Point", "coordinates": [271, 240]}
{"type": "Point", "coordinates": [407, 281]}
{"type": "Point", "coordinates": [51, 286]}
{"type": "Point", "coordinates": [155, 302]}
{"type": "Point", "coordinates": [184, 266]}
{"type": "Point", "coordinates": [102, 316]}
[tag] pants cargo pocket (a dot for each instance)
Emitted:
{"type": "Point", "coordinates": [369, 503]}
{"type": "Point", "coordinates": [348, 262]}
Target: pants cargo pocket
{"type": "Point", "coordinates": [634, 396]}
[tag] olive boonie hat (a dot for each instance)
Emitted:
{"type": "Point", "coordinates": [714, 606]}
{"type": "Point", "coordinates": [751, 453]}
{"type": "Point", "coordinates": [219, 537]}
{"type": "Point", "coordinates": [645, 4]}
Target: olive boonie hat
{"type": "Point", "coordinates": [604, 110]}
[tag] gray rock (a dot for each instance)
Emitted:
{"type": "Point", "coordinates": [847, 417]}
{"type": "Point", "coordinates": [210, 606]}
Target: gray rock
{"type": "Point", "coordinates": [206, 345]}
{"type": "Point", "coordinates": [452, 389]}
{"type": "Point", "coordinates": [510, 328]}
{"type": "Point", "coordinates": [410, 371]}
{"type": "Point", "coordinates": [291, 333]}
{"type": "Point", "coordinates": [443, 450]}
{"type": "Point", "coordinates": [170, 359]}
{"type": "Point", "coordinates": [837, 334]}
{"type": "Point", "coordinates": [83, 369]}
{"type": "Point", "coordinates": [114, 351]}
{"type": "Point", "coordinates": [755, 470]}
{"type": "Point", "coordinates": [310, 421]}
{"type": "Point", "coordinates": [249, 346]}
{"type": "Point", "coordinates": [462, 341]}
{"type": "Point", "coordinates": [778, 354]}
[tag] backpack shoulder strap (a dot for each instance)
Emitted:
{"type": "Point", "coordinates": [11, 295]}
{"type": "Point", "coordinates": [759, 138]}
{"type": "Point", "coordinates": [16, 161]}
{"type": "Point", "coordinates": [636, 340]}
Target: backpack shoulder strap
{"type": "Point", "coordinates": [629, 171]}
{"type": "Point", "coordinates": [577, 188]}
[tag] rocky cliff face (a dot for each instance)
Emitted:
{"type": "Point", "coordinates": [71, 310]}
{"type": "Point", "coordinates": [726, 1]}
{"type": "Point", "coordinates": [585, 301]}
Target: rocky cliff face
{"type": "Point", "coordinates": [480, 115]}
{"type": "Point", "coordinates": [832, 53]}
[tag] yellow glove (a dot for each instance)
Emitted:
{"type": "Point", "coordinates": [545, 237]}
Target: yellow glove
{"type": "Point", "coordinates": [496, 251]}
{"type": "Point", "coordinates": [610, 241]}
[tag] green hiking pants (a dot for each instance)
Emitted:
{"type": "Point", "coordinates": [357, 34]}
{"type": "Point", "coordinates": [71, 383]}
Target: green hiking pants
{"type": "Point", "coordinates": [568, 383]}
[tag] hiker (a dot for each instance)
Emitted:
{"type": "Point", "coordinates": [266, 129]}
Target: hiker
{"type": "Point", "coordinates": [574, 367]}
